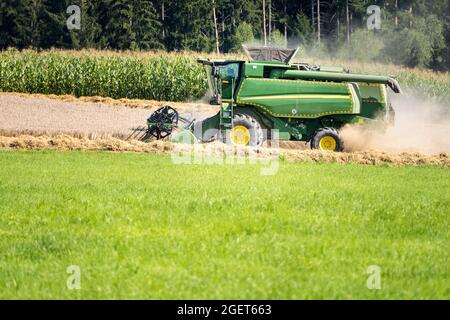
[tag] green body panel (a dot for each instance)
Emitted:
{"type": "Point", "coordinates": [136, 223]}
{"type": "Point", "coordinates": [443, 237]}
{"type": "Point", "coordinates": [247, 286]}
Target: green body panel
{"type": "Point", "coordinates": [227, 89]}
{"type": "Point", "coordinates": [296, 99]}
{"type": "Point", "coordinates": [206, 129]}
{"type": "Point", "coordinates": [374, 99]}
{"type": "Point", "coordinates": [254, 70]}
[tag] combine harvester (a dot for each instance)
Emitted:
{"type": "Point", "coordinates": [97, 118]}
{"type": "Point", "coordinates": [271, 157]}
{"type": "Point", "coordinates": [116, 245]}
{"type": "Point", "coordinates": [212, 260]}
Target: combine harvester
{"type": "Point", "coordinates": [302, 102]}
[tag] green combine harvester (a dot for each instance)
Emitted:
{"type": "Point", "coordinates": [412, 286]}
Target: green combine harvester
{"type": "Point", "coordinates": [268, 97]}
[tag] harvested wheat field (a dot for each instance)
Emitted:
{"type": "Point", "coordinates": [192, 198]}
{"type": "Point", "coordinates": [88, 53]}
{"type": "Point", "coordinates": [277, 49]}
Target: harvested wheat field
{"type": "Point", "coordinates": [198, 106]}
{"type": "Point", "coordinates": [86, 116]}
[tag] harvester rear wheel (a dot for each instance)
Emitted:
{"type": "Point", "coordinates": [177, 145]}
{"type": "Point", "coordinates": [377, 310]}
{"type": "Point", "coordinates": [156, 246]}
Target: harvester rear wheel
{"type": "Point", "coordinates": [247, 131]}
{"type": "Point", "coordinates": [327, 139]}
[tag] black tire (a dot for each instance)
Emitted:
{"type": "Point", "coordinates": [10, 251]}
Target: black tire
{"type": "Point", "coordinates": [252, 125]}
{"type": "Point", "coordinates": [327, 139]}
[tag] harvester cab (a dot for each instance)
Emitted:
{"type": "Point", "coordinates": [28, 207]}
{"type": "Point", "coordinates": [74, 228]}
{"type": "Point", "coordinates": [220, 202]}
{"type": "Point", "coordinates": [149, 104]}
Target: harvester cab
{"type": "Point", "coordinates": [223, 77]}
{"type": "Point", "coordinates": [269, 93]}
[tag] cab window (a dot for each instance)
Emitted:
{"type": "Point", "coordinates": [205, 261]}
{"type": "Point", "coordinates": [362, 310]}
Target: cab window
{"type": "Point", "coordinates": [229, 71]}
{"type": "Point", "coordinates": [228, 75]}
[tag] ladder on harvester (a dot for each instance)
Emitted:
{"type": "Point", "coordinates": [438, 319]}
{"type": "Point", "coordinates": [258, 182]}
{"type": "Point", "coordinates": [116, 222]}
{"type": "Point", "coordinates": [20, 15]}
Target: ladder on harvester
{"type": "Point", "coordinates": [226, 116]}
{"type": "Point", "coordinates": [226, 113]}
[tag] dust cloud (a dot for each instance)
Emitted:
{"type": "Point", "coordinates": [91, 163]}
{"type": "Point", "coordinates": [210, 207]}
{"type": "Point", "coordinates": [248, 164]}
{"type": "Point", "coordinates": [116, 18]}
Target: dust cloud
{"type": "Point", "coordinates": [421, 125]}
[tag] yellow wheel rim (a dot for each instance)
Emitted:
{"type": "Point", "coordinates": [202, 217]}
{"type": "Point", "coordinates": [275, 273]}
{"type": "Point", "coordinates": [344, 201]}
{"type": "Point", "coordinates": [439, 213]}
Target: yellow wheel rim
{"type": "Point", "coordinates": [240, 135]}
{"type": "Point", "coordinates": [328, 143]}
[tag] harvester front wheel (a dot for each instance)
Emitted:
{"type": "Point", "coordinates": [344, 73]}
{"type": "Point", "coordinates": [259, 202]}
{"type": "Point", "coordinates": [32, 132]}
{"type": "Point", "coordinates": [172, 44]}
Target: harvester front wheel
{"type": "Point", "coordinates": [246, 131]}
{"type": "Point", "coordinates": [327, 139]}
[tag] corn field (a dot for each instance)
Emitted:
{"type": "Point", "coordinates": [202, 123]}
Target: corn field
{"type": "Point", "coordinates": [174, 78]}
{"type": "Point", "coordinates": [158, 75]}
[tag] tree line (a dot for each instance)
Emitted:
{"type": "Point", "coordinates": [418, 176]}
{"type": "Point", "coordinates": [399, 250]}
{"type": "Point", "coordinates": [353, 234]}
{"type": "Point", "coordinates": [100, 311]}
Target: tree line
{"type": "Point", "coordinates": [413, 32]}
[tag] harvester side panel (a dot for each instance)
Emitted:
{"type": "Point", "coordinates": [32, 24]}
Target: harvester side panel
{"type": "Point", "coordinates": [298, 98]}
{"type": "Point", "coordinates": [374, 99]}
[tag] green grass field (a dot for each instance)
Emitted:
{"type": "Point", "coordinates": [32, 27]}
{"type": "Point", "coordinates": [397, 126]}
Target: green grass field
{"type": "Point", "coordinates": [140, 226]}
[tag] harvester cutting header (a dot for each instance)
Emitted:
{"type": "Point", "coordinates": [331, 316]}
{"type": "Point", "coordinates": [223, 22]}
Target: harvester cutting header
{"type": "Point", "coordinates": [268, 92]}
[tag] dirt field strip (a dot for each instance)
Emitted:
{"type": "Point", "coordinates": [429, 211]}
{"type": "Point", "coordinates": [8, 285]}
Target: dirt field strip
{"type": "Point", "coordinates": [26, 114]}
{"type": "Point", "coordinates": [67, 142]}
{"type": "Point", "coordinates": [94, 117]}
{"type": "Point", "coordinates": [130, 103]}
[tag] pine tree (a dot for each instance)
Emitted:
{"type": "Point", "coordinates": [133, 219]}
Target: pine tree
{"type": "Point", "coordinates": [119, 33]}
{"type": "Point", "coordinates": [243, 35]}
{"type": "Point", "coordinates": [146, 25]}
{"type": "Point", "coordinates": [9, 13]}
{"type": "Point", "coordinates": [19, 23]}
{"type": "Point", "coordinates": [446, 53]}
{"type": "Point", "coordinates": [89, 35]}
{"type": "Point", "coordinates": [192, 26]}
{"type": "Point", "coordinates": [52, 25]}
